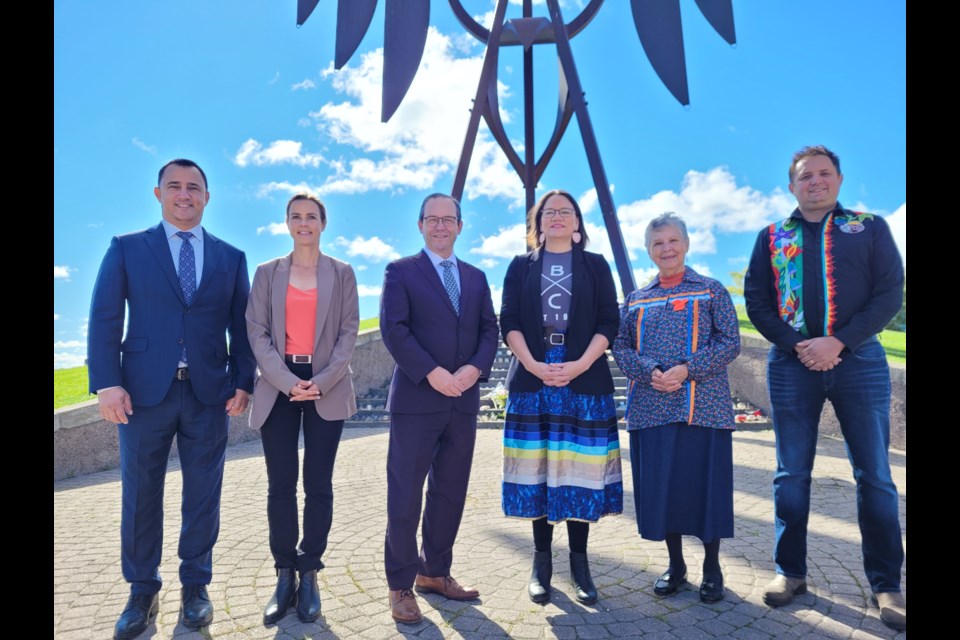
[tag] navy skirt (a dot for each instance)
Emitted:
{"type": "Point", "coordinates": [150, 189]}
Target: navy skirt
{"type": "Point", "coordinates": [683, 481]}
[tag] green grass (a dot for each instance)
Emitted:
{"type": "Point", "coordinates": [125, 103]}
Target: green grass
{"type": "Point", "coordinates": [70, 387]}
{"type": "Point", "coordinates": [894, 342]}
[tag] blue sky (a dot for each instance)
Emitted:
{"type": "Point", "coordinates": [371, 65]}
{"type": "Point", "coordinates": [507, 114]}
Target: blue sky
{"type": "Point", "coordinates": [237, 87]}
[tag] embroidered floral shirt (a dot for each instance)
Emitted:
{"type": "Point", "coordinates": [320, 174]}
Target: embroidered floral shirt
{"type": "Point", "coordinates": [840, 277]}
{"type": "Point", "coordinates": [693, 323]}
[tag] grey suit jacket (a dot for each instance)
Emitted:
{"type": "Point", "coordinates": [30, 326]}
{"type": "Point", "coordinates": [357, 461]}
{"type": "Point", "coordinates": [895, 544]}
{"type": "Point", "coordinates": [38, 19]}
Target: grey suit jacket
{"type": "Point", "coordinates": [338, 319]}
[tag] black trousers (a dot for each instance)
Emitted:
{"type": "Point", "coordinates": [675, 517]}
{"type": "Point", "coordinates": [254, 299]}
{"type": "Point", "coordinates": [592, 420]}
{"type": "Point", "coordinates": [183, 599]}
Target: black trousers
{"type": "Point", "coordinates": [281, 435]}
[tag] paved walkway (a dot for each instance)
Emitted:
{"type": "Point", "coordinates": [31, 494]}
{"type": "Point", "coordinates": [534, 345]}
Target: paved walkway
{"type": "Point", "coordinates": [492, 553]}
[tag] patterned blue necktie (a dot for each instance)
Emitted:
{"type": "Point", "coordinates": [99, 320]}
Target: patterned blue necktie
{"type": "Point", "coordinates": [188, 275]}
{"type": "Point", "coordinates": [451, 285]}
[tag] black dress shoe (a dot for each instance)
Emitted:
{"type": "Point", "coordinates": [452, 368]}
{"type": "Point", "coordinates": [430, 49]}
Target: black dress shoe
{"type": "Point", "coordinates": [137, 616]}
{"type": "Point", "coordinates": [284, 597]}
{"type": "Point", "coordinates": [586, 591]}
{"type": "Point", "coordinates": [195, 608]}
{"type": "Point", "coordinates": [711, 590]}
{"type": "Point", "coordinates": [308, 597]}
{"type": "Point", "coordinates": [669, 582]}
{"type": "Point", "coordinates": [539, 587]}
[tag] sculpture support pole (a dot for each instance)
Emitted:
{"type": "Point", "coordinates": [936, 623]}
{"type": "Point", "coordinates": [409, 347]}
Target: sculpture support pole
{"type": "Point", "coordinates": [487, 73]}
{"type": "Point", "coordinates": [604, 196]}
{"type": "Point", "coordinates": [530, 159]}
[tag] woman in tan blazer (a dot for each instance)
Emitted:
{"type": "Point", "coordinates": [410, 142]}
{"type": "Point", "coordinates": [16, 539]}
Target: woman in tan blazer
{"type": "Point", "coordinates": [302, 321]}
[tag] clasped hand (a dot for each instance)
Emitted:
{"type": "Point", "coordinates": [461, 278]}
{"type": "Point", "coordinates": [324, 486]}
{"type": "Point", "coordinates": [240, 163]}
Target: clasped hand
{"type": "Point", "coordinates": [558, 374]}
{"type": "Point", "coordinates": [819, 354]}
{"type": "Point", "coordinates": [453, 384]}
{"type": "Point", "coordinates": [305, 390]}
{"type": "Point", "coordinates": [670, 380]}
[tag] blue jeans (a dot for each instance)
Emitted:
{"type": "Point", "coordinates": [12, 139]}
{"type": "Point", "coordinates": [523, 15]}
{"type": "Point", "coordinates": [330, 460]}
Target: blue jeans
{"type": "Point", "coordinates": [859, 389]}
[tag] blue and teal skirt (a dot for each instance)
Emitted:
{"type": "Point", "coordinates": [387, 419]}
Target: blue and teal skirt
{"type": "Point", "coordinates": [561, 454]}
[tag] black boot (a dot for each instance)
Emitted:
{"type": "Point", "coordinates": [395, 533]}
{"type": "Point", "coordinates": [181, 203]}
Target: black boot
{"type": "Point", "coordinates": [539, 587]}
{"type": "Point", "coordinates": [284, 597]}
{"type": "Point", "coordinates": [580, 576]}
{"type": "Point", "coordinates": [308, 596]}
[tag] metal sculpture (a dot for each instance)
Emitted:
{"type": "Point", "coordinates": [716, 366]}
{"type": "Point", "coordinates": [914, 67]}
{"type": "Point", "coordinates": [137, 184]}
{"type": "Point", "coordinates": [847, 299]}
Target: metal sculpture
{"type": "Point", "coordinates": [405, 34]}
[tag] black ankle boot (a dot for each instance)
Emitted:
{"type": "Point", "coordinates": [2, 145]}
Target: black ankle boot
{"type": "Point", "coordinates": [284, 597]}
{"type": "Point", "coordinates": [308, 597]}
{"type": "Point", "coordinates": [539, 587]}
{"type": "Point", "coordinates": [580, 576]}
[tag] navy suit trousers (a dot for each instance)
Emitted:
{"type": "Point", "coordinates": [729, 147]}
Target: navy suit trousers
{"type": "Point", "coordinates": [438, 446]}
{"type": "Point", "coordinates": [201, 432]}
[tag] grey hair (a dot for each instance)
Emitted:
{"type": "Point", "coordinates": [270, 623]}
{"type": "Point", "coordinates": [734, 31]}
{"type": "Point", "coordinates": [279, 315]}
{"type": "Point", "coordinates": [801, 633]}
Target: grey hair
{"type": "Point", "coordinates": [668, 219]}
{"type": "Point", "coordinates": [433, 196]}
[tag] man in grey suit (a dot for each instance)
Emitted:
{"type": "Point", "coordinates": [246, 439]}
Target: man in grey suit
{"type": "Point", "coordinates": [438, 323]}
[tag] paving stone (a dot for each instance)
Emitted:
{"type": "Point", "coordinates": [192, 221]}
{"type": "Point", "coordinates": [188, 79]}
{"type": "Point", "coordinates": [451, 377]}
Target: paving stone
{"type": "Point", "coordinates": [492, 553]}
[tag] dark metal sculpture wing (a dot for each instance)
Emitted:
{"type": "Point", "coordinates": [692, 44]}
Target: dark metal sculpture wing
{"type": "Point", "coordinates": [661, 34]}
{"type": "Point", "coordinates": [404, 36]}
{"type": "Point", "coordinates": [353, 20]}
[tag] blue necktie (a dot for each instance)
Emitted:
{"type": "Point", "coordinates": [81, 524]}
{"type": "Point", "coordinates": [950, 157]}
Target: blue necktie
{"type": "Point", "coordinates": [188, 275]}
{"type": "Point", "coordinates": [451, 285]}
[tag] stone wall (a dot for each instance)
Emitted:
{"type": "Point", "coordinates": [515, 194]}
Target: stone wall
{"type": "Point", "coordinates": [83, 443]}
{"type": "Point", "coordinates": [748, 380]}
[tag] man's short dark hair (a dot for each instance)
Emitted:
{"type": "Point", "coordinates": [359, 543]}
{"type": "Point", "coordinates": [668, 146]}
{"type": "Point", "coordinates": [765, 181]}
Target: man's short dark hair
{"type": "Point", "coordinates": [312, 198]}
{"type": "Point", "coordinates": [440, 195]}
{"type": "Point", "coordinates": [183, 162]}
{"type": "Point", "coordinates": [816, 150]}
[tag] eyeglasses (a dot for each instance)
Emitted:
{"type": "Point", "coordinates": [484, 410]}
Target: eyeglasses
{"type": "Point", "coordinates": [448, 221]}
{"type": "Point", "coordinates": [553, 213]}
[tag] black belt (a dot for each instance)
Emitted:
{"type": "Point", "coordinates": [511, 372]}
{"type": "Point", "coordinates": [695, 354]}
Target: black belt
{"type": "Point", "coordinates": [298, 359]}
{"type": "Point", "coordinates": [183, 373]}
{"type": "Point", "coordinates": [552, 337]}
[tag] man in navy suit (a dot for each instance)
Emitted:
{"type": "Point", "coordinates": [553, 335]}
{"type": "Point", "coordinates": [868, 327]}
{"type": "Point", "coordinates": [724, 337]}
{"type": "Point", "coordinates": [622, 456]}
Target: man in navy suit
{"type": "Point", "coordinates": [438, 323]}
{"type": "Point", "coordinates": [173, 374]}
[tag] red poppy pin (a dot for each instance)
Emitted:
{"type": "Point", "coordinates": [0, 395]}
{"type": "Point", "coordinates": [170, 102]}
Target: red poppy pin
{"type": "Point", "coordinates": [679, 305]}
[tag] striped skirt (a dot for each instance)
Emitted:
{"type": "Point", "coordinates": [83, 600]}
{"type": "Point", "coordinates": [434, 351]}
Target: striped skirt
{"type": "Point", "coordinates": [561, 454]}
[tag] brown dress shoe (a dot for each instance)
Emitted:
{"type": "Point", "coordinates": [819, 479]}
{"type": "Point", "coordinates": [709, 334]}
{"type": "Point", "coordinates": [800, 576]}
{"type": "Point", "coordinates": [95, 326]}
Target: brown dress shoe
{"type": "Point", "coordinates": [404, 607]}
{"type": "Point", "coordinates": [446, 587]}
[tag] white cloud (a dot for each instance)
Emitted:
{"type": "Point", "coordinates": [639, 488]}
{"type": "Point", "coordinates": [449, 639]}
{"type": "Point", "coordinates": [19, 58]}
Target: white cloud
{"type": "Point", "coordinates": [588, 200]}
{"type": "Point", "coordinates": [288, 187]}
{"type": "Point", "coordinates": [489, 263]}
{"type": "Point", "coordinates": [62, 272]}
{"type": "Point", "coordinates": [277, 152]}
{"type": "Point", "coordinates": [373, 248]}
{"type": "Point", "coordinates": [274, 229]}
{"type": "Point", "coordinates": [69, 344]}
{"type": "Point", "coordinates": [413, 149]}
{"type": "Point", "coordinates": [736, 260]}
{"type": "Point", "coordinates": [497, 294]}
{"type": "Point", "coordinates": [305, 84]}
{"type": "Point", "coordinates": [708, 202]}
{"type": "Point", "coordinates": [898, 227]}
{"type": "Point", "coordinates": [63, 360]}
{"type": "Point", "coordinates": [643, 276]}
{"type": "Point", "coordinates": [56, 316]}
{"type": "Point", "coordinates": [508, 242]}
{"type": "Point", "coordinates": [140, 144]}
{"type": "Point", "coordinates": [360, 267]}
{"type": "Point", "coordinates": [702, 268]}
{"type": "Point", "coordinates": [367, 290]}
{"type": "Point", "coordinates": [273, 80]}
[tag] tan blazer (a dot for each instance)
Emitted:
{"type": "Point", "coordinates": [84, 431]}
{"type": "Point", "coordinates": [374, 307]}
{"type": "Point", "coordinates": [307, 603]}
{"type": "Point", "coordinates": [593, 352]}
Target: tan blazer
{"type": "Point", "coordinates": [338, 319]}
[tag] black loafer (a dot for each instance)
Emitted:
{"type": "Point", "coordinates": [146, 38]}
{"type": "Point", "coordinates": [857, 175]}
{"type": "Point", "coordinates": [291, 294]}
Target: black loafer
{"type": "Point", "coordinates": [137, 616]}
{"type": "Point", "coordinates": [669, 582]}
{"type": "Point", "coordinates": [712, 590]}
{"type": "Point", "coordinates": [195, 608]}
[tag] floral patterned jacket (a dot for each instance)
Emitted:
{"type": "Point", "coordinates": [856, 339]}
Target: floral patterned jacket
{"type": "Point", "coordinates": [693, 323]}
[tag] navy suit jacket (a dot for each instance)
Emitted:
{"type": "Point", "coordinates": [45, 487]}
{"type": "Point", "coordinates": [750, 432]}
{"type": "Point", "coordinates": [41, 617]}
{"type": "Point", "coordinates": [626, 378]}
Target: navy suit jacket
{"type": "Point", "coordinates": [138, 274]}
{"type": "Point", "coordinates": [421, 331]}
